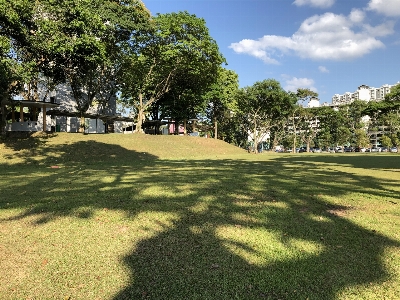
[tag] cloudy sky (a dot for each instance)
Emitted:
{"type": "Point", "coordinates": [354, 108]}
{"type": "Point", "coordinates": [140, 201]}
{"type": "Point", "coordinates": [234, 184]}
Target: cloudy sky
{"type": "Point", "coordinates": [329, 46]}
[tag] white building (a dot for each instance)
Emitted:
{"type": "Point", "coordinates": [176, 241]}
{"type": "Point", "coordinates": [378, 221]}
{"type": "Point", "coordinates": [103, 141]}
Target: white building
{"type": "Point", "coordinates": [57, 111]}
{"type": "Point", "coordinates": [314, 102]}
{"type": "Point", "coordinates": [363, 92]}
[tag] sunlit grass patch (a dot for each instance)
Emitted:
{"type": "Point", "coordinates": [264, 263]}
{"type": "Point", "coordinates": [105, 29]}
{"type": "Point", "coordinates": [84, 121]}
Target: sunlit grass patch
{"type": "Point", "coordinates": [258, 246]}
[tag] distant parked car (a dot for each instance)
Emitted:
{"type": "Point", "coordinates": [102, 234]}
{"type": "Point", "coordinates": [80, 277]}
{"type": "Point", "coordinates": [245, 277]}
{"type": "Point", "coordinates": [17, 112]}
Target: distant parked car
{"type": "Point", "coordinates": [317, 150]}
{"type": "Point", "coordinates": [348, 149]}
{"type": "Point", "coordinates": [384, 149]}
{"type": "Point", "coordinates": [374, 149]}
{"type": "Point", "coordinates": [394, 150]}
{"type": "Point", "coordinates": [339, 150]}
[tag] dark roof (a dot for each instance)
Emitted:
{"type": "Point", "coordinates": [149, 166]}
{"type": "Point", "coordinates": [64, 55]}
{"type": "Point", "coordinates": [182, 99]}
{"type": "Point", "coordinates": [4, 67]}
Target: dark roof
{"type": "Point", "coordinates": [27, 103]}
{"type": "Point", "coordinates": [66, 113]}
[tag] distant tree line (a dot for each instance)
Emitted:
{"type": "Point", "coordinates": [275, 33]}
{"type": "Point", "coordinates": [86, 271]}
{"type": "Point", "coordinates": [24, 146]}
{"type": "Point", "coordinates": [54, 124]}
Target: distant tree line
{"type": "Point", "coordinates": [266, 109]}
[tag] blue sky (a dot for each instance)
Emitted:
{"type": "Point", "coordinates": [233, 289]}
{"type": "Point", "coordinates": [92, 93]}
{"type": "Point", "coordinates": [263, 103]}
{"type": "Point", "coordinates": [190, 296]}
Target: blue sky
{"type": "Point", "coordinates": [329, 46]}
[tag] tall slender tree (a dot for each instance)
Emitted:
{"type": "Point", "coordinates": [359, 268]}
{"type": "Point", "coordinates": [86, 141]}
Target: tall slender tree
{"type": "Point", "coordinates": [298, 114]}
{"type": "Point", "coordinates": [221, 99]}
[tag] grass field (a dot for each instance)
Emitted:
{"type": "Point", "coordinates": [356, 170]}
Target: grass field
{"type": "Point", "coordinates": [170, 217]}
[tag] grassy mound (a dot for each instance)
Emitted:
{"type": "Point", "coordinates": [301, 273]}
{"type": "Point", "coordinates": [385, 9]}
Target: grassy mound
{"type": "Point", "coordinates": [67, 147]}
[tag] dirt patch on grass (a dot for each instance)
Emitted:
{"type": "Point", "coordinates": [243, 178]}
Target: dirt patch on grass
{"type": "Point", "coordinates": [340, 211]}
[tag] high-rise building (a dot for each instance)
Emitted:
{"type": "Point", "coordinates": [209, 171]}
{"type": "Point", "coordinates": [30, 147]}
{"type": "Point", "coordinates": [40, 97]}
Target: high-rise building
{"type": "Point", "coordinates": [363, 92]}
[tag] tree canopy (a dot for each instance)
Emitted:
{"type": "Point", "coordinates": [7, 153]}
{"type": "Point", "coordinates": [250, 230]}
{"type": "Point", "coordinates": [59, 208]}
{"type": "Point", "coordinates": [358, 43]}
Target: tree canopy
{"type": "Point", "coordinates": [177, 57]}
{"type": "Point", "coordinates": [71, 41]}
{"type": "Point", "coordinates": [262, 105]}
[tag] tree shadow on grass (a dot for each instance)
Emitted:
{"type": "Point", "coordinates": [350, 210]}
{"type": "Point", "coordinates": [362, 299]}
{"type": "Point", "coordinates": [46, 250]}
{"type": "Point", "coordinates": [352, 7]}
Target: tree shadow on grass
{"type": "Point", "coordinates": [59, 179]}
{"type": "Point", "coordinates": [275, 239]}
{"type": "Point", "coordinates": [369, 161]}
{"type": "Point", "coordinates": [182, 264]}
{"type": "Point", "coordinates": [38, 150]}
{"type": "Point", "coordinates": [243, 229]}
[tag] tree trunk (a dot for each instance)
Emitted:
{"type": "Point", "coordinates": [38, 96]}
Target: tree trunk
{"type": "Point", "coordinates": [176, 128]}
{"type": "Point", "coordinates": [140, 121]}
{"type": "Point", "coordinates": [215, 129]}
{"type": "Point", "coordinates": [3, 121]}
{"type": "Point", "coordinates": [82, 125]}
{"type": "Point", "coordinates": [294, 135]}
{"type": "Point", "coordinates": [141, 109]}
{"type": "Point", "coordinates": [255, 139]}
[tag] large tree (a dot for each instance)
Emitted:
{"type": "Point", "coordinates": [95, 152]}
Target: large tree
{"type": "Point", "coordinates": [361, 138]}
{"type": "Point", "coordinates": [308, 125]}
{"type": "Point", "coordinates": [10, 75]}
{"type": "Point", "coordinates": [185, 100]}
{"type": "Point", "coordinates": [222, 102]}
{"type": "Point", "coordinates": [179, 44]}
{"type": "Point", "coordinates": [391, 116]}
{"type": "Point", "coordinates": [385, 115]}
{"type": "Point", "coordinates": [299, 115]}
{"type": "Point", "coordinates": [73, 41]}
{"type": "Point", "coordinates": [263, 104]}
{"type": "Point", "coordinates": [95, 33]}
{"type": "Point", "coordinates": [333, 128]}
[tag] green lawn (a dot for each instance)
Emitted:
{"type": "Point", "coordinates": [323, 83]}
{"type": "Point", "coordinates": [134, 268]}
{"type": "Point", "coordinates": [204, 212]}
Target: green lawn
{"type": "Point", "coordinates": [169, 217]}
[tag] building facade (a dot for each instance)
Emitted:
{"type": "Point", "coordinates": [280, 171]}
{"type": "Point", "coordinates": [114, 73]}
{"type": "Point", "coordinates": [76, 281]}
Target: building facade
{"type": "Point", "coordinates": [57, 111]}
{"type": "Point", "coordinates": [363, 92]}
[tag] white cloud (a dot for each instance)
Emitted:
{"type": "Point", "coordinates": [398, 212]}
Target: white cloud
{"type": "Point", "coordinates": [389, 8]}
{"type": "Point", "coordinates": [323, 69]}
{"type": "Point", "coordinates": [253, 48]}
{"type": "Point", "coordinates": [315, 3]}
{"type": "Point", "coordinates": [321, 37]}
{"type": "Point", "coordinates": [357, 16]}
{"type": "Point", "coordinates": [292, 84]}
{"type": "Point", "coordinates": [380, 30]}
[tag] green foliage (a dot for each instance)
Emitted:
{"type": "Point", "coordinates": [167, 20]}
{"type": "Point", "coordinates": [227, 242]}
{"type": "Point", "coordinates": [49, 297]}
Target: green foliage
{"type": "Point", "coordinates": [324, 138]}
{"type": "Point", "coordinates": [73, 40]}
{"type": "Point", "coordinates": [386, 141]}
{"type": "Point", "coordinates": [221, 103]}
{"type": "Point", "coordinates": [333, 128]}
{"type": "Point", "coordinates": [394, 95]}
{"type": "Point", "coordinates": [263, 105]}
{"type": "Point", "coordinates": [177, 59]}
{"type": "Point", "coordinates": [385, 115]}
{"type": "Point", "coordinates": [361, 138]}
{"type": "Point", "coordinates": [395, 138]}
{"type": "Point", "coordinates": [301, 120]}
{"type": "Point", "coordinates": [307, 125]}
{"type": "Point", "coordinates": [354, 114]}
{"type": "Point", "coordinates": [390, 104]}
{"type": "Point", "coordinates": [305, 94]}
{"type": "Point", "coordinates": [221, 94]}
